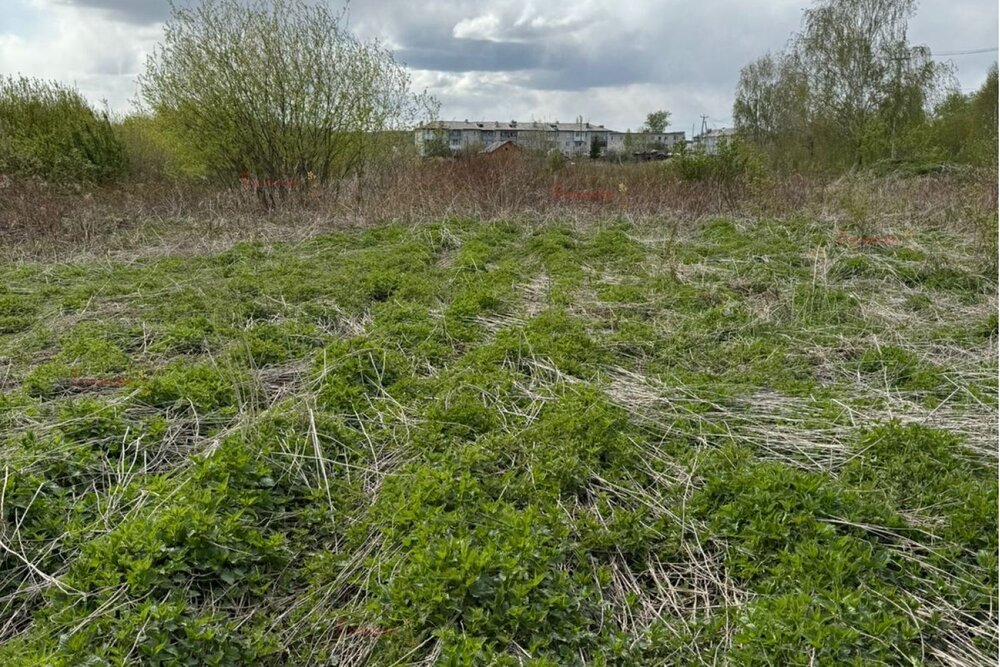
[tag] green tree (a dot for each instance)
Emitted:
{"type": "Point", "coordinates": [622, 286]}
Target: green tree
{"type": "Point", "coordinates": [155, 153]}
{"type": "Point", "coordinates": [279, 89]}
{"type": "Point", "coordinates": [555, 160]}
{"type": "Point", "coordinates": [848, 90]}
{"type": "Point", "coordinates": [771, 108]}
{"type": "Point", "coordinates": [437, 146]}
{"type": "Point", "coordinates": [657, 121]}
{"type": "Point", "coordinates": [984, 124]}
{"type": "Point", "coordinates": [595, 148]}
{"type": "Point", "coordinates": [964, 127]}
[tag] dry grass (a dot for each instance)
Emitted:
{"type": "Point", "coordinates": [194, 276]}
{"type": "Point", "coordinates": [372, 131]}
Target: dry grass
{"type": "Point", "coordinates": [137, 219]}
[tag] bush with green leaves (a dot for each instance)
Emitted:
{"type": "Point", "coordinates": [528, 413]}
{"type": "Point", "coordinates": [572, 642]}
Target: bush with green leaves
{"type": "Point", "coordinates": [735, 159]}
{"type": "Point", "coordinates": [734, 168]}
{"type": "Point", "coordinates": [157, 154]}
{"type": "Point", "coordinates": [963, 127]}
{"type": "Point", "coordinates": [279, 90]}
{"type": "Point", "coordinates": [48, 130]}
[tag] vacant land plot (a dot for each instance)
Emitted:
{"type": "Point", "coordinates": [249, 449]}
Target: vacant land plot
{"type": "Point", "coordinates": [743, 443]}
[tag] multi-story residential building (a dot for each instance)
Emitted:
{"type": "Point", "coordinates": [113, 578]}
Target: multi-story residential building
{"type": "Point", "coordinates": [572, 139]}
{"type": "Point", "coordinates": [709, 140]}
{"type": "Point", "coordinates": [629, 142]}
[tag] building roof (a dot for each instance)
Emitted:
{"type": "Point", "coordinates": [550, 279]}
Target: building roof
{"type": "Point", "coordinates": [512, 125]}
{"type": "Point", "coordinates": [534, 126]}
{"type": "Point", "coordinates": [721, 132]}
{"type": "Point", "coordinates": [497, 144]}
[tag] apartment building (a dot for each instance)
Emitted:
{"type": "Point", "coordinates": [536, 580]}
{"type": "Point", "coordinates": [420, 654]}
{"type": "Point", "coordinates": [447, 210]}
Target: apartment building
{"type": "Point", "coordinates": [572, 139]}
{"type": "Point", "coordinates": [709, 141]}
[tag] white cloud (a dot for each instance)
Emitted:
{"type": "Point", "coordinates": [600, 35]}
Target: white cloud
{"type": "Point", "coordinates": [83, 47]}
{"type": "Point", "coordinates": [482, 27]}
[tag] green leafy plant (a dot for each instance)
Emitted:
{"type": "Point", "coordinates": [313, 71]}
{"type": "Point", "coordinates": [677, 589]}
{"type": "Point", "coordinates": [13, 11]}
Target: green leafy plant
{"type": "Point", "coordinates": [50, 131]}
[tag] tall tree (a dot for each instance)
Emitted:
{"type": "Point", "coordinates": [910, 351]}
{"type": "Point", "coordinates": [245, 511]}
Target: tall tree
{"type": "Point", "coordinates": [771, 107]}
{"type": "Point", "coordinates": [861, 69]}
{"type": "Point", "coordinates": [657, 121]}
{"type": "Point", "coordinates": [964, 127]}
{"type": "Point", "coordinates": [849, 87]}
{"type": "Point", "coordinates": [984, 108]}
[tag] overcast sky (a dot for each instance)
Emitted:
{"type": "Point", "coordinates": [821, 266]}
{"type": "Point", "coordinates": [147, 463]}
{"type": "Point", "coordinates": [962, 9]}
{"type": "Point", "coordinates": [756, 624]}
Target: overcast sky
{"type": "Point", "coordinates": [610, 62]}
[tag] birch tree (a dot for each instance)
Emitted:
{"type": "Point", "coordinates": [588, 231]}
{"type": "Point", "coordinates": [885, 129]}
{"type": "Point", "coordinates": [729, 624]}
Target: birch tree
{"type": "Point", "coordinates": [847, 88]}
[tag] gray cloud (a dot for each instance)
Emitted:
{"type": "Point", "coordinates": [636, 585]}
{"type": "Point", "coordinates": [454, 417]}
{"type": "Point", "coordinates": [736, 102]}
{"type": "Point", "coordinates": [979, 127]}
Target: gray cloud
{"type": "Point", "coordinates": [468, 55]}
{"type": "Point", "coordinates": [651, 42]}
{"type": "Point", "coordinates": [143, 12]}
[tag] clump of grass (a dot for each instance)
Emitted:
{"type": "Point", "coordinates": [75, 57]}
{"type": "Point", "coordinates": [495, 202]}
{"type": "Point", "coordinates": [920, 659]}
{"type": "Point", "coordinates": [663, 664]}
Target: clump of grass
{"type": "Point", "coordinates": [902, 369]}
{"type": "Point", "coordinates": [201, 386]}
{"type": "Point", "coordinates": [88, 356]}
{"type": "Point", "coordinates": [16, 313]}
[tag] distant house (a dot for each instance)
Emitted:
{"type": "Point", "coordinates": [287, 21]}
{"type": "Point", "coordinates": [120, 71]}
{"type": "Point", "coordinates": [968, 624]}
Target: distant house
{"type": "Point", "coordinates": [571, 139]}
{"type": "Point", "coordinates": [505, 147]}
{"type": "Point", "coordinates": [709, 141]}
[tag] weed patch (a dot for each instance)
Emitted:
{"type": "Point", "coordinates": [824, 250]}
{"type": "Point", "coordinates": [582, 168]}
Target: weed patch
{"type": "Point", "coordinates": [481, 442]}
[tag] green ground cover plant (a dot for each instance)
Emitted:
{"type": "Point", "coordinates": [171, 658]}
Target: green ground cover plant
{"type": "Point", "coordinates": [743, 442]}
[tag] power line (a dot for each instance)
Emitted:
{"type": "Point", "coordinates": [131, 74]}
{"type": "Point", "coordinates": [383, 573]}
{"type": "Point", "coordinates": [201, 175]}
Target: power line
{"type": "Point", "coordinates": [965, 53]}
{"type": "Point", "coordinates": [947, 53]}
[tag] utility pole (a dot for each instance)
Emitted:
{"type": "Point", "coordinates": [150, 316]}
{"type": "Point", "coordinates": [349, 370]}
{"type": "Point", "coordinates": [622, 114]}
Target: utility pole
{"type": "Point", "coordinates": [897, 92]}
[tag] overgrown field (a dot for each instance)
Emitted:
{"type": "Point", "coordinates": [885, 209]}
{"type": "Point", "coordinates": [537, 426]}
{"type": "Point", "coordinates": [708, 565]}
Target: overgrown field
{"type": "Point", "coordinates": [738, 442]}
